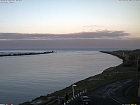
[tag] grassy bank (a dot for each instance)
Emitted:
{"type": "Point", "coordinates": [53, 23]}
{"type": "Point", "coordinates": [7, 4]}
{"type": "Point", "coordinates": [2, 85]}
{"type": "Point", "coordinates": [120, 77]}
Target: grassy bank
{"type": "Point", "coordinates": [109, 75]}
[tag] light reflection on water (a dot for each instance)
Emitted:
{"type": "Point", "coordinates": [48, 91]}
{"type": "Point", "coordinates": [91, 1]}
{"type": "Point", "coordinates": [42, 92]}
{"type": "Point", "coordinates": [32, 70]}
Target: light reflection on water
{"type": "Point", "coordinates": [23, 78]}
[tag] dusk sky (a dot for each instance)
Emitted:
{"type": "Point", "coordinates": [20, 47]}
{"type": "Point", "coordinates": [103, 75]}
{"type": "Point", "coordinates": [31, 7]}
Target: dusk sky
{"type": "Point", "coordinates": [46, 24]}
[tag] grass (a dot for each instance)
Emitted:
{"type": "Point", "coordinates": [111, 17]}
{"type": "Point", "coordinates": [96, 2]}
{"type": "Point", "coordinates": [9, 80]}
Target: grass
{"type": "Point", "coordinates": [93, 82]}
{"type": "Point", "coordinates": [90, 83]}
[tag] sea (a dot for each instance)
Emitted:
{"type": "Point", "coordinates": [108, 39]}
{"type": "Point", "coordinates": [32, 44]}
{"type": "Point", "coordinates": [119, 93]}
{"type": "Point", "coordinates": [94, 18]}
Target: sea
{"type": "Point", "coordinates": [23, 78]}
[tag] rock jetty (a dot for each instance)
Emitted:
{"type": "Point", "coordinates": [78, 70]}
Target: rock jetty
{"type": "Point", "coordinates": [26, 53]}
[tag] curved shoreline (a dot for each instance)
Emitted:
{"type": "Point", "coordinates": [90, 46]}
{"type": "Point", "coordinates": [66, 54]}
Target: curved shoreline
{"type": "Point", "coordinates": [114, 54]}
{"type": "Point", "coordinates": [91, 83]}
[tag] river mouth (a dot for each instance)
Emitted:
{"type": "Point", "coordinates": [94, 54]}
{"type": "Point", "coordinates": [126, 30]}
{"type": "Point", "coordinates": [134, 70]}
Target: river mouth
{"type": "Point", "coordinates": [23, 78]}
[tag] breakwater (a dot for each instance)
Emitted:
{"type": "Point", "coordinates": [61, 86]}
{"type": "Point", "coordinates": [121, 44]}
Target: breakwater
{"type": "Point", "coordinates": [22, 54]}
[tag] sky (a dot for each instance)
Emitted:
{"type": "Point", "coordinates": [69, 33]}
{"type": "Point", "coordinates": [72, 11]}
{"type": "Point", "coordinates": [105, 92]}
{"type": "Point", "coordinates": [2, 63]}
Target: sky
{"type": "Point", "coordinates": [42, 24]}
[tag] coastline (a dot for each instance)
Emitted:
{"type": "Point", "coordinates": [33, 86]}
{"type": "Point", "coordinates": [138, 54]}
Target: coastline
{"type": "Point", "coordinates": [91, 83]}
{"type": "Point", "coordinates": [115, 54]}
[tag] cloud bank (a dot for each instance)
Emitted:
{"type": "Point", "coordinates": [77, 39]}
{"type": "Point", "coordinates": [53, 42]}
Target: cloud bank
{"type": "Point", "coordinates": [98, 39]}
{"type": "Point", "coordinates": [105, 34]}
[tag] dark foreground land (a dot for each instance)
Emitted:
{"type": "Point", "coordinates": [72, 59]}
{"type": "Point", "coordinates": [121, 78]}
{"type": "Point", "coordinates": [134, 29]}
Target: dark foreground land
{"type": "Point", "coordinates": [114, 86]}
{"type": "Point", "coordinates": [112, 94]}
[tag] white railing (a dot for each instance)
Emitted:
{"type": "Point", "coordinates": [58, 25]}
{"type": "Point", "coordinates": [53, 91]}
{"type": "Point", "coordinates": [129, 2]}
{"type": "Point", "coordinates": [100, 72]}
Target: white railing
{"type": "Point", "coordinates": [75, 96]}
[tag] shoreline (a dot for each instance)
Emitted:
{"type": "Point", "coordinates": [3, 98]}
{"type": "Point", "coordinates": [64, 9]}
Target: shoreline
{"type": "Point", "coordinates": [91, 83]}
{"type": "Point", "coordinates": [114, 54]}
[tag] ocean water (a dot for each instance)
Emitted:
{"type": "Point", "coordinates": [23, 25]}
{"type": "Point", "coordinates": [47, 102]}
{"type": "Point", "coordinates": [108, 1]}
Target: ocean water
{"type": "Point", "coordinates": [23, 78]}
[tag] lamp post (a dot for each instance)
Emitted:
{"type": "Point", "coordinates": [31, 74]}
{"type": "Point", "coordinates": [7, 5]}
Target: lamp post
{"type": "Point", "coordinates": [73, 89]}
{"type": "Point", "coordinates": [137, 62]}
{"type": "Point", "coordinates": [137, 74]}
{"type": "Point", "coordinates": [139, 90]}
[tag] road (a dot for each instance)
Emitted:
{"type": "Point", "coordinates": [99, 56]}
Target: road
{"type": "Point", "coordinates": [110, 94]}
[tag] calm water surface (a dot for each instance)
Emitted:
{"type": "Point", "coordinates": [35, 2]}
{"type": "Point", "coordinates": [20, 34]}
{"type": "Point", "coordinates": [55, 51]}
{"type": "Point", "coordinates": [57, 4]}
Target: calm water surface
{"type": "Point", "coordinates": [23, 78]}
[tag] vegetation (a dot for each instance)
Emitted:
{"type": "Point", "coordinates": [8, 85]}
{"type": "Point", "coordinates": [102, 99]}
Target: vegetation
{"type": "Point", "coordinates": [107, 76]}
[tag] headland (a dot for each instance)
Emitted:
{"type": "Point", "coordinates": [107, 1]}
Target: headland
{"type": "Point", "coordinates": [129, 69]}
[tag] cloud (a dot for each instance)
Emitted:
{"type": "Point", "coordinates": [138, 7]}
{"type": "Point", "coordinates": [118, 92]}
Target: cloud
{"type": "Point", "coordinates": [102, 34]}
{"type": "Point", "coordinates": [70, 44]}
{"type": "Point", "coordinates": [97, 39]}
{"type": "Point", "coordinates": [105, 34]}
{"type": "Point", "coordinates": [19, 36]}
{"type": "Point", "coordinates": [89, 26]}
